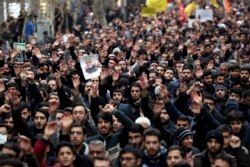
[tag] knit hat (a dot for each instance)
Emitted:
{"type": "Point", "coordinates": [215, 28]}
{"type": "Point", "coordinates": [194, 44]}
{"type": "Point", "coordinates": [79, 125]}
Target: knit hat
{"type": "Point", "coordinates": [231, 105]}
{"type": "Point", "coordinates": [123, 81]}
{"type": "Point", "coordinates": [219, 86]}
{"type": "Point", "coordinates": [182, 133]}
{"type": "Point", "coordinates": [215, 134]}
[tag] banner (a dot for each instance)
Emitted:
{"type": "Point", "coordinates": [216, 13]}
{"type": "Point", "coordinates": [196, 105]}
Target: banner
{"type": "Point", "coordinates": [214, 3]}
{"type": "Point", "coordinates": [204, 14]}
{"type": "Point", "coordinates": [158, 5]}
{"type": "Point", "coordinates": [148, 12]}
{"type": "Point", "coordinates": [190, 8]}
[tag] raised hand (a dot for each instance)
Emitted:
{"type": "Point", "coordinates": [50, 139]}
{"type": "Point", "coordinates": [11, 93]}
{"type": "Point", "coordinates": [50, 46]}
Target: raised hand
{"type": "Point", "coordinates": [108, 108]}
{"type": "Point", "coordinates": [235, 141]}
{"type": "Point", "coordinates": [25, 144]}
{"type": "Point", "coordinates": [115, 76]}
{"type": "Point", "coordinates": [164, 93]}
{"type": "Point", "coordinates": [104, 74]}
{"type": "Point", "coordinates": [76, 81]}
{"type": "Point", "coordinates": [50, 129]}
{"type": "Point", "coordinates": [143, 82]}
{"type": "Point", "coordinates": [2, 86]}
{"type": "Point", "coordinates": [5, 108]}
{"type": "Point", "coordinates": [57, 75]}
{"type": "Point", "coordinates": [66, 122]}
{"type": "Point", "coordinates": [157, 107]}
{"type": "Point", "coordinates": [196, 103]}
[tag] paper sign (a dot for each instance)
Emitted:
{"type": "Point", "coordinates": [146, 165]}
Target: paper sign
{"type": "Point", "coordinates": [190, 23]}
{"type": "Point", "coordinates": [204, 14]}
{"type": "Point", "coordinates": [90, 66]}
{"type": "Point", "coordinates": [19, 46]}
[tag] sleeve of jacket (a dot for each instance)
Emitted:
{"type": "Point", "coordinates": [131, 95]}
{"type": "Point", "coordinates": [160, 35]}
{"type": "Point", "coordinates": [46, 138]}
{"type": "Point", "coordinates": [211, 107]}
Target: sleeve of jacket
{"type": "Point", "coordinates": [19, 125]}
{"type": "Point", "coordinates": [64, 102]}
{"type": "Point", "coordinates": [40, 150]}
{"type": "Point", "coordinates": [35, 94]}
{"type": "Point", "coordinates": [94, 107]}
{"type": "Point", "coordinates": [126, 122]}
{"type": "Point", "coordinates": [243, 159]}
{"type": "Point", "coordinates": [211, 121]}
{"type": "Point", "coordinates": [31, 160]}
{"type": "Point", "coordinates": [173, 112]}
{"type": "Point", "coordinates": [147, 107]}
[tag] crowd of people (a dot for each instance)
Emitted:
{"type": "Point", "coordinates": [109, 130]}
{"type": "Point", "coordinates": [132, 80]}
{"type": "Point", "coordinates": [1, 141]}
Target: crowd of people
{"type": "Point", "coordinates": [167, 95]}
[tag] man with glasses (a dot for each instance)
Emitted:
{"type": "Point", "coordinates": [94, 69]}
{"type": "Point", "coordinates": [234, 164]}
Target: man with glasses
{"type": "Point", "coordinates": [130, 157]}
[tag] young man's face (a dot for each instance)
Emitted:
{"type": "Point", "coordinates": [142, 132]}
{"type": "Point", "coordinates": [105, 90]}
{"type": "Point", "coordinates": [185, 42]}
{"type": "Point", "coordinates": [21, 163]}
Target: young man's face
{"type": "Point", "coordinates": [210, 104]}
{"type": "Point", "coordinates": [234, 96]}
{"type": "Point", "coordinates": [129, 160]}
{"type": "Point", "coordinates": [135, 92]}
{"type": "Point", "coordinates": [77, 136]}
{"type": "Point", "coordinates": [135, 138]}
{"type": "Point", "coordinates": [186, 74]}
{"type": "Point", "coordinates": [173, 158]}
{"type": "Point", "coordinates": [169, 74]}
{"type": "Point", "coordinates": [213, 146]}
{"type": "Point", "coordinates": [65, 156]}
{"type": "Point", "coordinates": [104, 126]}
{"type": "Point", "coordinates": [40, 120]}
{"type": "Point", "coordinates": [101, 163]}
{"type": "Point", "coordinates": [208, 80]}
{"type": "Point", "coordinates": [236, 126]}
{"type": "Point", "coordinates": [220, 93]}
{"type": "Point", "coordinates": [235, 73]}
{"type": "Point", "coordinates": [244, 75]}
{"type": "Point", "coordinates": [164, 117]}
{"type": "Point", "coordinates": [182, 124]}
{"type": "Point", "coordinates": [226, 137]}
{"type": "Point", "coordinates": [79, 114]}
{"type": "Point", "coordinates": [152, 145]}
{"type": "Point", "coordinates": [220, 80]}
{"type": "Point", "coordinates": [117, 96]}
{"type": "Point", "coordinates": [187, 142]}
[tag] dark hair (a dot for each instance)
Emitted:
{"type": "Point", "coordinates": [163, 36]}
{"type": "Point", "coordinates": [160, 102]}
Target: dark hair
{"type": "Point", "coordinates": [245, 68]}
{"type": "Point", "coordinates": [152, 132]}
{"type": "Point", "coordinates": [13, 146]}
{"type": "Point", "coordinates": [131, 149]}
{"type": "Point", "coordinates": [176, 147]}
{"type": "Point", "coordinates": [183, 118]}
{"type": "Point", "coordinates": [118, 91]}
{"type": "Point", "coordinates": [84, 130]}
{"type": "Point", "coordinates": [246, 93]}
{"type": "Point", "coordinates": [219, 74]}
{"type": "Point", "coordinates": [233, 67]}
{"type": "Point", "coordinates": [237, 91]}
{"type": "Point", "coordinates": [79, 104]}
{"type": "Point", "coordinates": [136, 128]}
{"type": "Point", "coordinates": [104, 116]}
{"type": "Point", "coordinates": [225, 128]}
{"type": "Point", "coordinates": [23, 105]}
{"type": "Point", "coordinates": [187, 67]}
{"type": "Point", "coordinates": [12, 162]}
{"type": "Point", "coordinates": [235, 116]}
{"type": "Point", "coordinates": [65, 144]}
{"type": "Point", "coordinates": [226, 157]}
{"type": "Point", "coordinates": [207, 73]}
{"type": "Point", "coordinates": [135, 84]}
{"type": "Point", "coordinates": [208, 96]}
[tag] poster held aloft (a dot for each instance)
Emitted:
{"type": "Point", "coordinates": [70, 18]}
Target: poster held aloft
{"type": "Point", "coordinates": [90, 65]}
{"type": "Point", "coordinates": [20, 48]}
